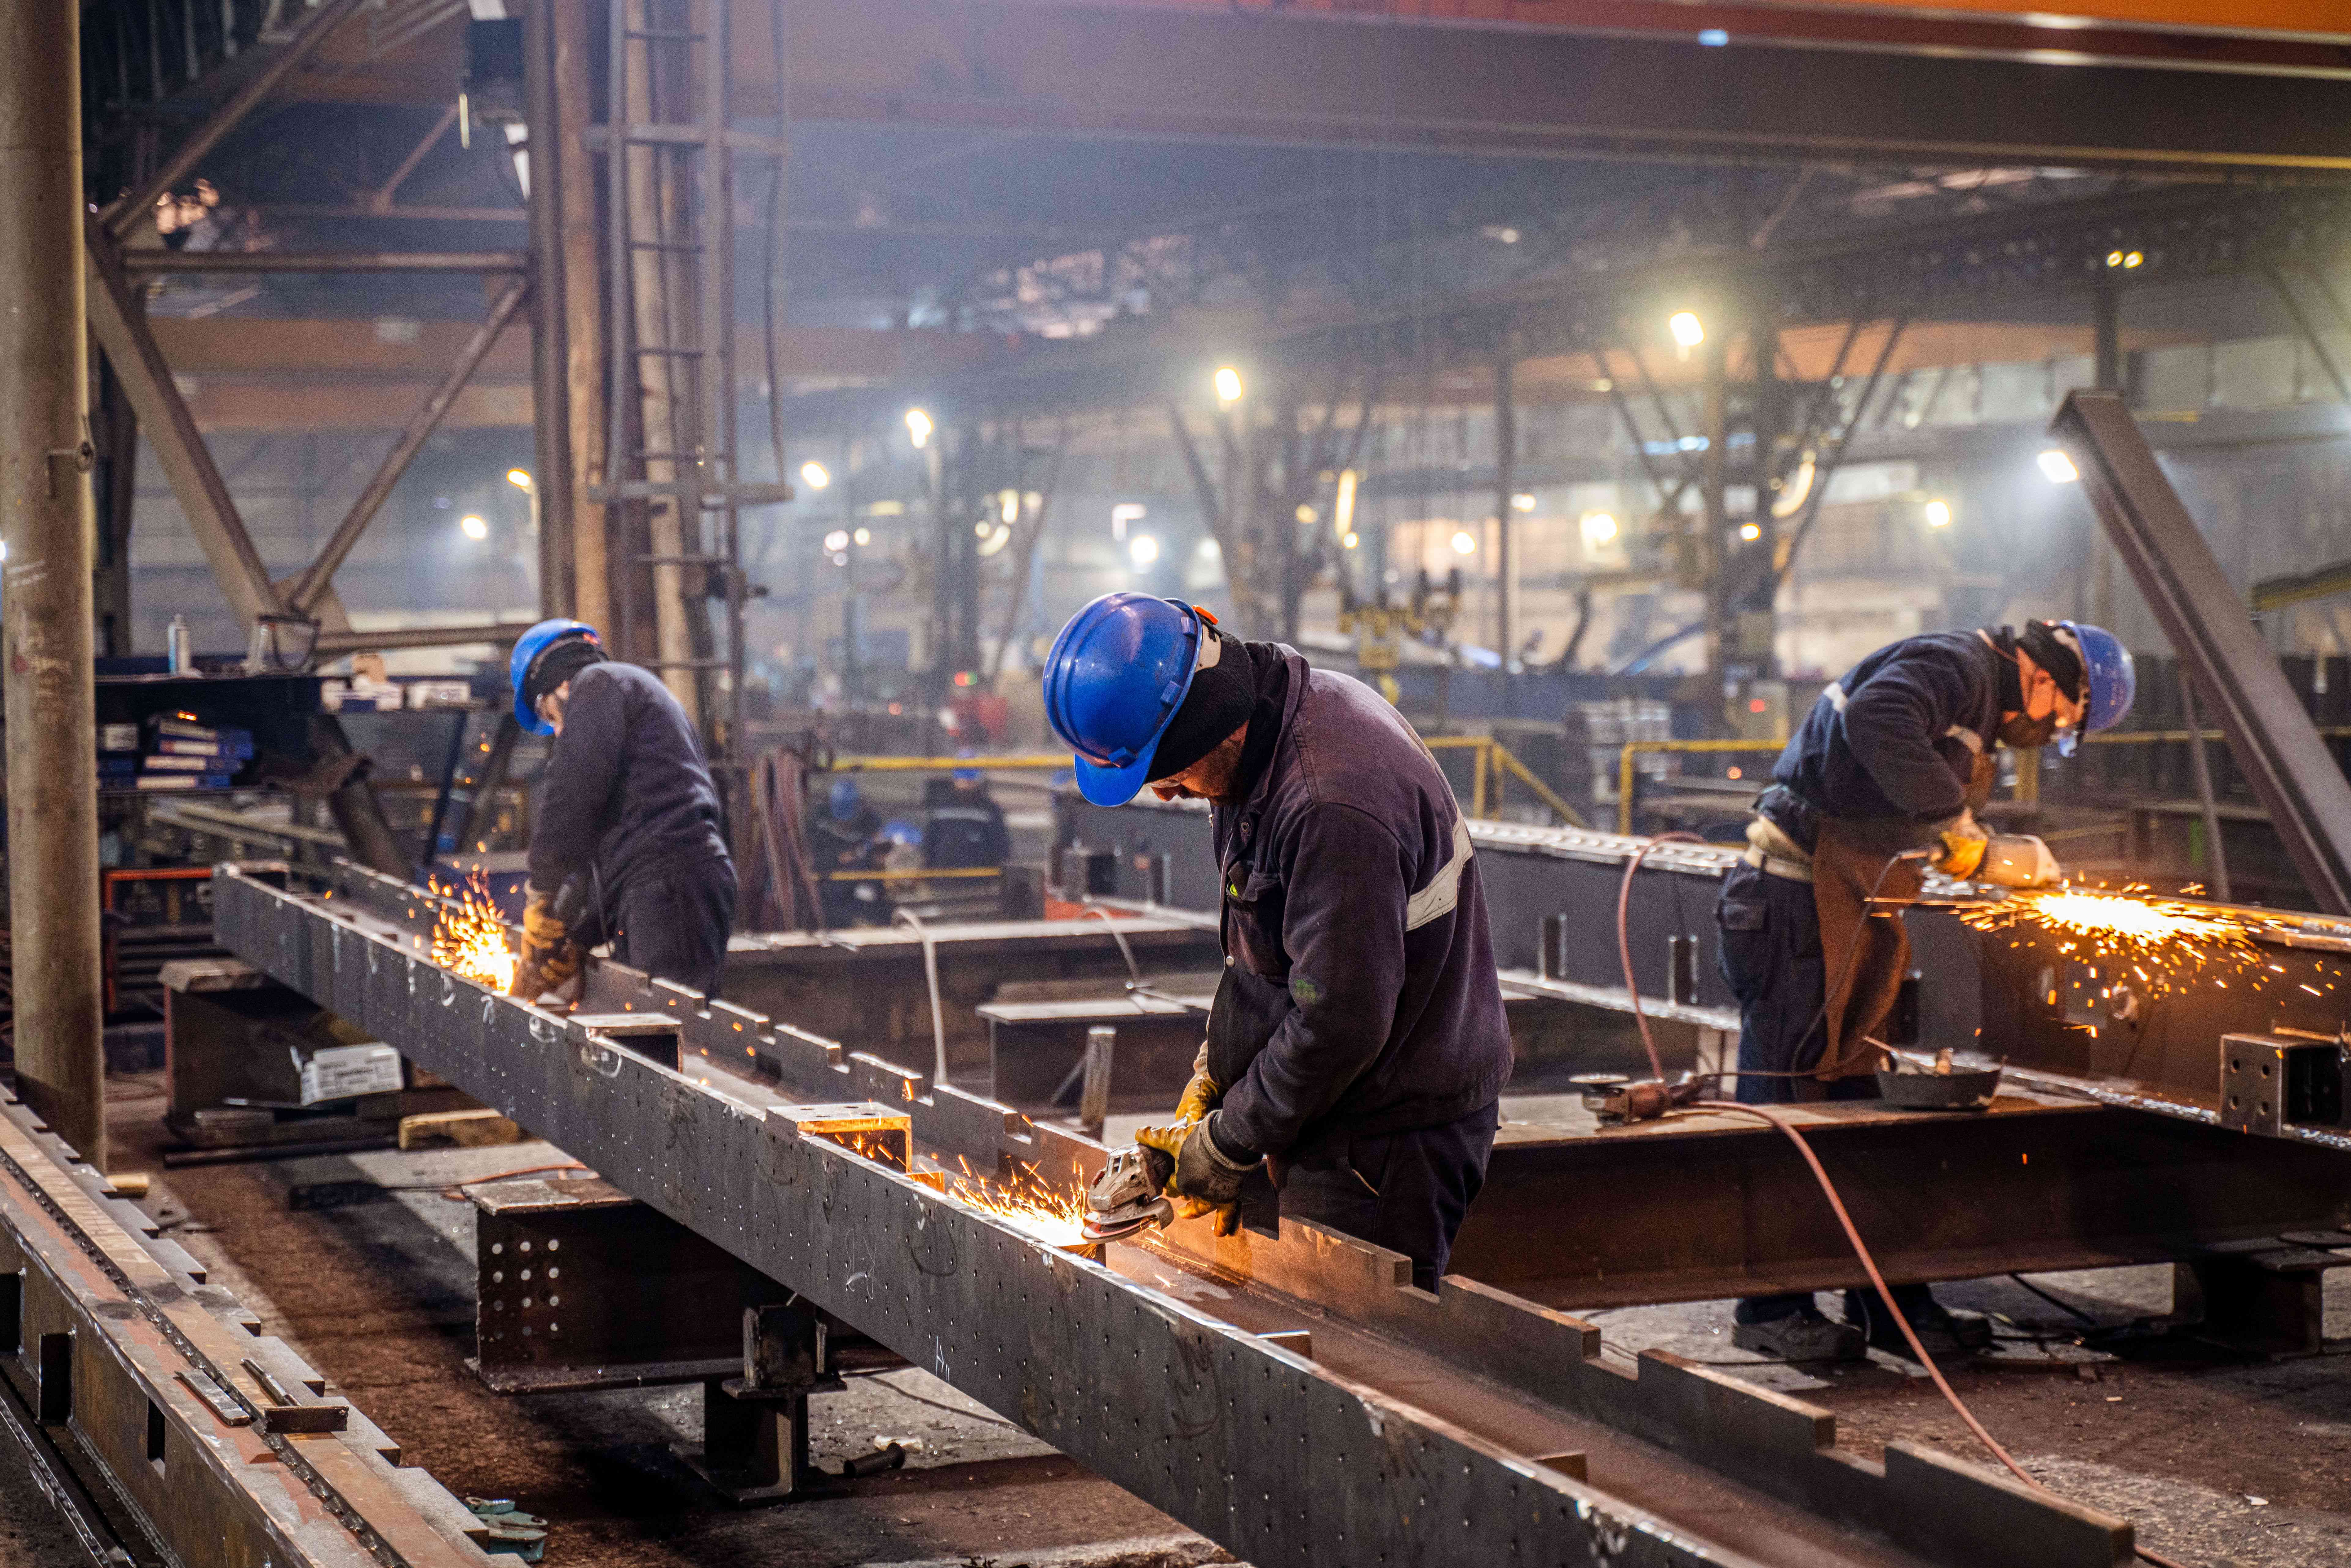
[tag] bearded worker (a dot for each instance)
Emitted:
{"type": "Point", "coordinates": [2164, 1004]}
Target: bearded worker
{"type": "Point", "coordinates": [1356, 1046]}
{"type": "Point", "coordinates": [1895, 759]}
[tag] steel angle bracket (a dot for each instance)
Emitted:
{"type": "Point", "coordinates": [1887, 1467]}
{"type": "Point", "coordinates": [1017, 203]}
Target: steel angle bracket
{"type": "Point", "coordinates": [159, 1421]}
{"type": "Point", "coordinates": [1274, 1458]}
{"type": "Point", "coordinates": [2271, 736]}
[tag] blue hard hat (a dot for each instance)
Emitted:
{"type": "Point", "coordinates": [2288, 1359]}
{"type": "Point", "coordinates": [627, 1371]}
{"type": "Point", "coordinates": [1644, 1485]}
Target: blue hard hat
{"type": "Point", "coordinates": [843, 800]}
{"type": "Point", "coordinates": [1113, 680]}
{"type": "Point", "coordinates": [904, 830]}
{"type": "Point", "coordinates": [527, 650]}
{"type": "Point", "coordinates": [2111, 676]}
{"type": "Point", "coordinates": [965, 775]}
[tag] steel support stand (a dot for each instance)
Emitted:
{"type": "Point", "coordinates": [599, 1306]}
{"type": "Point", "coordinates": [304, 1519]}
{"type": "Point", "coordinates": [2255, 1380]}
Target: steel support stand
{"type": "Point", "coordinates": [755, 1427]}
{"type": "Point", "coordinates": [45, 594]}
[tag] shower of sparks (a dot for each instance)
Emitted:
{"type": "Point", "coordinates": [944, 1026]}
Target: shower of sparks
{"type": "Point", "coordinates": [1056, 1217]}
{"type": "Point", "coordinates": [469, 935]}
{"type": "Point", "coordinates": [2162, 942]}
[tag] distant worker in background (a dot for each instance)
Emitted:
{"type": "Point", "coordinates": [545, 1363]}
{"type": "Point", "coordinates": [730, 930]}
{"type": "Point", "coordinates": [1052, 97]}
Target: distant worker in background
{"type": "Point", "coordinates": [1356, 1044]}
{"type": "Point", "coordinates": [963, 826]}
{"type": "Point", "coordinates": [846, 835]}
{"type": "Point", "coordinates": [624, 846]}
{"type": "Point", "coordinates": [1886, 775]}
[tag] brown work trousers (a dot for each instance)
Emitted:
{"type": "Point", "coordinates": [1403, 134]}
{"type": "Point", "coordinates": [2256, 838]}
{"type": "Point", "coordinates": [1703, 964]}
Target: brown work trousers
{"type": "Point", "coordinates": [1865, 947]}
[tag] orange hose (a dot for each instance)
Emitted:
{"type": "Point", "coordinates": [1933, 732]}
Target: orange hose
{"type": "Point", "coordinates": [1869, 1263]}
{"type": "Point", "coordinates": [1625, 942]}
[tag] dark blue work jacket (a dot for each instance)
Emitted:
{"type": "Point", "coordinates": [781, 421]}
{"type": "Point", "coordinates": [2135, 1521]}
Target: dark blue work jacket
{"type": "Point", "coordinates": [1359, 994]}
{"type": "Point", "coordinates": [1898, 736]}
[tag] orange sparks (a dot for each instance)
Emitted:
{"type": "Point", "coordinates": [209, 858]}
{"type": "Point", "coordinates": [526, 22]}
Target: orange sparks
{"type": "Point", "coordinates": [469, 935]}
{"type": "Point", "coordinates": [2164, 942]}
{"type": "Point", "coordinates": [1029, 1205]}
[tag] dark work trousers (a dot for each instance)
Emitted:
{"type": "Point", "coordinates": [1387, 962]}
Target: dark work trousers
{"type": "Point", "coordinates": [1771, 959]}
{"type": "Point", "coordinates": [1406, 1191]}
{"type": "Point", "coordinates": [675, 923]}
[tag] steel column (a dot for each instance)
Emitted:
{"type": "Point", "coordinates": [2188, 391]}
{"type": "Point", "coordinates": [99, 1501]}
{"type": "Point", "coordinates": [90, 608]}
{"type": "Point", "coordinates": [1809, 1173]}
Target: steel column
{"type": "Point", "coordinates": [45, 594]}
{"type": "Point", "coordinates": [2273, 739]}
{"type": "Point", "coordinates": [1506, 457]}
{"type": "Point", "coordinates": [551, 402]}
{"type": "Point", "coordinates": [583, 303]}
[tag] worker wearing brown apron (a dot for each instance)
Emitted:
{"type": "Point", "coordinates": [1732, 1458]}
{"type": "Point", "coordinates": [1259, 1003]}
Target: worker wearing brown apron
{"type": "Point", "coordinates": [1884, 778]}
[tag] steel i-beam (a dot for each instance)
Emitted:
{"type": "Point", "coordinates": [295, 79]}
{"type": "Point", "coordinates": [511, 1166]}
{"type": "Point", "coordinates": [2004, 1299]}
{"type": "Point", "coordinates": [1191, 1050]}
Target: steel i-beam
{"type": "Point", "coordinates": [160, 1421]}
{"type": "Point", "coordinates": [1412, 1435]}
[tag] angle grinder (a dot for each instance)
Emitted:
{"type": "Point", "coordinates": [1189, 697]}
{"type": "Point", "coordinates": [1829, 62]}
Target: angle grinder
{"type": "Point", "coordinates": [1616, 1099]}
{"type": "Point", "coordinates": [1131, 1193]}
{"type": "Point", "coordinates": [2016, 859]}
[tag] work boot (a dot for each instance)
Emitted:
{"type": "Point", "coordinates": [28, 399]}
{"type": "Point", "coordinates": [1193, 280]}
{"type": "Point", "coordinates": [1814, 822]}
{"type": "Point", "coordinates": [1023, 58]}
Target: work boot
{"type": "Point", "coordinates": [1801, 1335]}
{"type": "Point", "coordinates": [1942, 1334]}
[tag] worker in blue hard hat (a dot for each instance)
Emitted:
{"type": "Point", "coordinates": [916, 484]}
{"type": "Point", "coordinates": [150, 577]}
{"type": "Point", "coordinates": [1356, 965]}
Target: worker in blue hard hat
{"type": "Point", "coordinates": [626, 844]}
{"type": "Point", "coordinates": [963, 827]}
{"type": "Point", "coordinates": [1884, 777]}
{"type": "Point", "coordinates": [1356, 1049]}
{"type": "Point", "coordinates": [845, 835]}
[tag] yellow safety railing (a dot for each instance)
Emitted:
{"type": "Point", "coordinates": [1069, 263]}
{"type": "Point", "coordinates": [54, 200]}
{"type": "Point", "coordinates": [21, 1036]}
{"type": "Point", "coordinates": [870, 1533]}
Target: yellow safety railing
{"type": "Point", "coordinates": [1493, 760]}
{"type": "Point", "coordinates": [2025, 791]}
{"type": "Point", "coordinates": [1045, 761]}
{"type": "Point", "coordinates": [914, 873]}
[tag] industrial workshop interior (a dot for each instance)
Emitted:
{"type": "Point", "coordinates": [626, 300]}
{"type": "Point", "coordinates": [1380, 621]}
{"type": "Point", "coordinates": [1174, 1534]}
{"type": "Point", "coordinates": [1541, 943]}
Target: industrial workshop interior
{"type": "Point", "coordinates": [1137, 783]}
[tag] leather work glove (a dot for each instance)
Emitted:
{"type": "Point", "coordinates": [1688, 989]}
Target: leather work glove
{"type": "Point", "coordinates": [549, 959]}
{"type": "Point", "coordinates": [1201, 1095]}
{"type": "Point", "coordinates": [1962, 847]}
{"type": "Point", "coordinates": [1207, 1180]}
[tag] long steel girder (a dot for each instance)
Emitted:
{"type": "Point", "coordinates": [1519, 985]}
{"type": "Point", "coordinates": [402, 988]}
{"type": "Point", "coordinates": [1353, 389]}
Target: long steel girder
{"type": "Point", "coordinates": [157, 1419]}
{"type": "Point", "coordinates": [2237, 675]}
{"type": "Point", "coordinates": [1280, 76]}
{"type": "Point", "coordinates": [1132, 1366]}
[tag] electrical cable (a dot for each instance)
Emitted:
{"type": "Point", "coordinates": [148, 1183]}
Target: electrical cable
{"type": "Point", "coordinates": [1774, 1118]}
{"type": "Point", "coordinates": [1133, 971]}
{"type": "Point", "coordinates": [1625, 941]}
{"type": "Point", "coordinates": [931, 974]}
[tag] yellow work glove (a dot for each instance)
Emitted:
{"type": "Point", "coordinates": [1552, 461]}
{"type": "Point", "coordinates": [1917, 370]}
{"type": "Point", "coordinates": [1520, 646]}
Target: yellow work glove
{"type": "Point", "coordinates": [1201, 1095]}
{"type": "Point", "coordinates": [1962, 847]}
{"type": "Point", "coordinates": [549, 959]}
{"type": "Point", "coordinates": [1205, 1181]}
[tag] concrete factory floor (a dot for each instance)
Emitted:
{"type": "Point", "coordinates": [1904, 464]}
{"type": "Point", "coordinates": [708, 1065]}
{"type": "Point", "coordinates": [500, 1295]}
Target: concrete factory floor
{"type": "Point", "coordinates": [2220, 1461]}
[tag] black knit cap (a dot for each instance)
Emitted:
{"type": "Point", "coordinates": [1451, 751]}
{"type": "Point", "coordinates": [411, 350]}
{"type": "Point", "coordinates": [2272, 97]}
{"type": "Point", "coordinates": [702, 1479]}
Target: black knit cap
{"type": "Point", "coordinates": [2054, 649]}
{"type": "Point", "coordinates": [1218, 703]}
{"type": "Point", "coordinates": [563, 658]}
